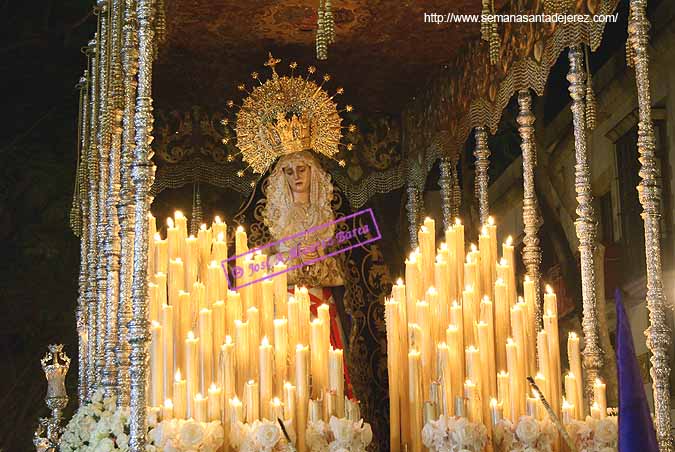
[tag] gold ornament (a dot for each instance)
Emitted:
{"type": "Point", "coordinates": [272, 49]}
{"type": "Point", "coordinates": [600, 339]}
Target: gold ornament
{"type": "Point", "coordinates": [284, 115]}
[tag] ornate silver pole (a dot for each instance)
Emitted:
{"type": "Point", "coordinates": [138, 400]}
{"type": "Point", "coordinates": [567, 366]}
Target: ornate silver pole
{"type": "Point", "coordinates": [445, 182]}
{"type": "Point", "coordinates": [585, 223]}
{"type": "Point", "coordinates": [531, 217]}
{"type": "Point", "coordinates": [482, 154]}
{"type": "Point", "coordinates": [82, 301]}
{"type": "Point", "coordinates": [103, 149]}
{"type": "Point", "coordinates": [456, 190]}
{"type": "Point", "coordinates": [414, 196]}
{"type": "Point", "coordinates": [658, 334]}
{"type": "Point", "coordinates": [92, 201]}
{"type": "Point", "coordinates": [127, 206]}
{"type": "Point", "coordinates": [142, 175]}
{"type": "Point", "coordinates": [112, 245]}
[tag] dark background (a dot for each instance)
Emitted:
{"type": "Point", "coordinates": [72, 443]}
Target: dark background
{"type": "Point", "coordinates": [40, 63]}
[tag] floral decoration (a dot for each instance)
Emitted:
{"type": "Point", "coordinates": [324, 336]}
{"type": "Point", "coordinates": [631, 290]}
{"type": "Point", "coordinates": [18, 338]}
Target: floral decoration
{"type": "Point", "coordinates": [338, 435]}
{"type": "Point", "coordinates": [260, 436]}
{"type": "Point", "coordinates": [528, 435]}
{"type": "Point", "coordinates": [454, 434]}
{"type": "Point", "coordinates": [595, 435]}
{"type": "Point", "coordinates": [178, 435]}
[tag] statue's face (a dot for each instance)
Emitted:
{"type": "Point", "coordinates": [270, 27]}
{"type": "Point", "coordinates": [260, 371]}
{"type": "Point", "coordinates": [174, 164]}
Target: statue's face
{"type": "Point", "coordinates": [298, 176]}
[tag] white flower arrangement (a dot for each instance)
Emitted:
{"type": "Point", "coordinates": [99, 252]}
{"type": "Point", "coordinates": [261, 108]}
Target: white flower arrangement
{"type": "Point", "coordinates": [99, 426]}
{"type": "Point", "coordinates": [454, 434]}
{"type": "Point", "coordinates": [177, 435]}
{"type": "Point", "coordinates": [338, 435]}
{"type": "Point", "coordinates": [260, 436]}
{"type": "Point", "coordinates": [528, 435]}
{"type": "Point", "coordinates": [595, 435]}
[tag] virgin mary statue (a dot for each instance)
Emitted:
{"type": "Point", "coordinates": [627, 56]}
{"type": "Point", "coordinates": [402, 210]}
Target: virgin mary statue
{"type": "Point", "coordinates": [299, 193]}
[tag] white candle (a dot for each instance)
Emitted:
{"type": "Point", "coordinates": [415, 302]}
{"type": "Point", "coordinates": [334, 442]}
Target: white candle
{"type": "Point", "coordinates": [266, 376]}
{"type": "Point", "coordinates": [167, 350]}
{"type": "Point", "coordinates": [236, 410]}
{"type": "Point", "coordinates": [191, 370]}
{"type": "Point", "coordinates": [161, 255]}
{"type": "Point", "coordinates": [267, 308]}
{"type": "Point", "coordinates": [205, 349]}
{"type": "Point", "coordinates": [289, 402]}
{"type": "Point", "coordinates": [574, 358]}
{"type": "Point", "coordinates": [156, 364]}
{"type": "Point", "coordinates": [317, 358]}
{"type": "Point", "coordinates": [336, 379]}
{"type": "Point", "coordinates": [167, 410]}
{"type": "Point", "coordinates": [600, 397]}
{"type": "Point", "coordinates": [280, 290]}
{"type": "Point", "coordinates": [214, 403]}
{"type": "Point", "coordinates": [191, 260]}
{"type": "Point", "coordinates": [253, 319]}
{"type": "Point", "coordinates": [302, 391]}
{"type": "Point", "coordinates": [242, 354]}
{"type": "Point", "coordinates": [200, 408]}
{"type": "Point", "coordinates": [228, 383]}
{"type": "Point", "coordinates": [204, 246]}
{"type": "Point", "coordinates": [180, 397]}
{"type": "Point", "coordinates": [280, 354]}
{"type": "Point", "coordinates": [251, 401]}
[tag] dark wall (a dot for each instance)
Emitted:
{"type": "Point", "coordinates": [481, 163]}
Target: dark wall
{"type": "Point", "coordinates": [40, 63]}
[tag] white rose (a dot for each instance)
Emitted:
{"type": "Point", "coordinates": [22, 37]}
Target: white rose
{"type": "Point", "coordinates": [191, 435]}
{"type": "Point", "coordinates": [106, 445]}
{"type": "Point", "coordinates": [337, 446]}
{"type": "Point", "coordinates": [366, 434]}
{"type": "Point", "coordinates": [267, 435]}
{"type": "Point", "coordinates": [342, 429]}
{"type": "Point", "coordinates": [123, 441]}
{"type": "Point", "coordinates": [215, 435]}
{"type": "Point", "coordinates": [606, 431]}
{"type": "Point", "coordinates": [428, 435]}
{"type": "Point", "coordinates": [171, 446]}
{"type": "Point", "coordinates": [527, 430]}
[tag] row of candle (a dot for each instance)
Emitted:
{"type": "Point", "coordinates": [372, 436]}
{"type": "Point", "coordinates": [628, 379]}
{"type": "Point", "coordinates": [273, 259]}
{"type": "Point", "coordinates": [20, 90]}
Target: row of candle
{"type": "Point", "coordinates": [445, 346]}
{"type": "Point", "coordinates": [210, 346]}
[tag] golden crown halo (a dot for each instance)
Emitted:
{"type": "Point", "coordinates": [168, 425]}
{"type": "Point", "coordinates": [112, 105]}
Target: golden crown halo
{"type": "Point", "coordinates": [283, 115]}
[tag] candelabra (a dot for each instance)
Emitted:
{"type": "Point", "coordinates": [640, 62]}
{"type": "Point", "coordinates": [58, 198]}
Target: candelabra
{"type": "Point", "coordinates": [55, 365]}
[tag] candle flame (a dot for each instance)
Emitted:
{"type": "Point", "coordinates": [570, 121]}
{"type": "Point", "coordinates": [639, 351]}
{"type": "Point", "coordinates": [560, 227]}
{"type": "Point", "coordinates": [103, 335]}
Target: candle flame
{"type": "Point", "coordinates": [491, 221]}
{"type": "Point", "coordinates": [240, 229]}
{"type": "Point", "coordinates": [503, 374]}
{"type": "Point", "coordinates": [468, 288]}
{"type": "Point", "coordinates": [500, 281]}
{"type": "Point", "coordinates": [399, 282]}
{"type": "Point", "coordinates": [444, 246]}
{"type": "Point", "coordinates": [458, 222]}
{"type": "Point", "coordinates": [539, 376]}
{"type": "Point", "coordinates": [169, 222]}
{"type": "Point", "coordinates": [265, 342]}
{"type": "Point", "coordinates": [168, 404]}
{"type": "Point", "coordinates": [276, 401]}
{"type": "Point", "coordinates": [191, 335]}
{"type": "Point", "coordinates": [199, 396]}
{"type": "Point", "coordinates": [178, 214]}
{"type": "Point", "coordinates": [493, 403]}
{"type": "Point", "coordinates": [202, 227]}
{"type": "Point", "coordinates": [484, 231]}
{"type": "Point", "coordinates": [178, 376]}
{"type": "Point", "coordinates": [221, 237]}
{"type": "Point", "coordinates": [424, 229]}
{"type": "Point", "coordinates": [503, 262]}
{"type": "Point", "coordinates": [455, 304]}
{"type": "Point", "coordinates": [217, 219]}
{"type": "Point", "coordinates": [598, 382]}
{"type": "Point", "coordinates": [300, 347]}
{"type": "Point", "coordinates": [570, 374]}
{"type": "Point", "coordinates": [509, 341]}
{"type": "Point", "coordinates": [288, 385]}
{"type": "Point", "coordinates": [213, 387]}
{"type": "Point", "coordinates": [471, 349]}
{"type": "Point", "coordinates": [549, 289]}
{"type": "Point", "coordinates": [474, 248]}
{"type": "Point", "coordinates": [158, 237]}
{"type": "Point", "coordinates": [412, 257]}
{"type": "Point", "coordinates": [228, 339]}
{"type": "Point", "coordinates": [572, 335]}
{"type": "Point", "coordinates": [509, 241]}
{"type": "Point", "coordinates": [156, 324]}
{"type": "Point", "coordinates": [432, 291]}
{"type": "Point", "coordinates": [566, 405]}
{"type": "Point", "coordinates": [235, 401]}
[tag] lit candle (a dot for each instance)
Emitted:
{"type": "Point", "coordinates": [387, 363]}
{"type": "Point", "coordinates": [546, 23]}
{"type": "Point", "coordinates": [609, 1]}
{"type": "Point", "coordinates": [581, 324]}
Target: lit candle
{"type": "Point", "coordinates": [515, 388]}
{"type": "Point", "coordinates": [456, 361]}
{"type": "Point", "coordinates": [317, 358]}
{"type": "Point", "coordinates": [551, 326]}
{"type": "Point", "coordinates": [427, 241]}
{"type": "Point", "coordinates": [234, 311]}
{"type": "Point", "coordinates": [162, 299]}
{"type": "Point", "coordinates": [451, 259]}
{"type": "Point", "coordinates": [487, 317]}
{"type": "Point", "coordinates": [544, 364]}
{"type": "Point", "coordinates": [293, 333]}
{"type": "Point", "coordinates": [529, 321]}
{"type": "Point", "coordinates": [181, 225]}
{"type": "Point", "coordinates": [289, 402]}
{"type": "Point", "coordinates": [201, 408]}
{"type": "Point", "coordinates": [156, 364]}
{"type": "Point", "coordinates": [161, 254]}
{"type": "Point", "coordinates": [251, 401]}
{"type": "Point", "coordinates": [205, 349]}
{"type": "Point", "coordinates": [191, 260]}
{"type": "Point", "coordinates": [227, 355]}
{"type": "Point", "coordinates": [180, 397]}
{"type": "Point", "coordinates": [509, 255]}
{"type": "Point", "coordinates": [213, 275]}
{"type": "Point", "coordinates": [502, 325]}
{"type": "Point", "coordinates": [519, 336]}
{"type": "Point", "coordinates": [167, 410]}
{"type": "Point", "coordinates": [276, 409]}
{"type": "Point", "coordinates": [236, 410]}
{"type": "Point", "coordinates": [600, 397]}
{"type": "Point", "coordinates": [267, 308]}
{"type": "Point", "coordinates": [204, 247]}
{"type": "Point", "coordinates": [574, 358]}
{"type": "Point", "coordinates": [495, 412]}
{"type": "Point", "coordinates": [315, 410]}
{"type": "Point", "coordinates": [240, 246]}
{"type": "Point", "coordinates": [153, 308]}
{"type": "Point", "coordinates": [336, 379]}
{"type": "Point", "coordinates": [415, 398]}
{"type": "Point", "coordinates": [167, 350]}
{"type": "Point", "coordinates": [218, 315]}
{"type": "Point", "coordinates": [567, 412]}
{"type": "Point", "coordinates": [595, 411]}
{"type": "Point", "coordinates": [187, 317]}
{"type": "Point", "coordinates": [175, 285]}
{"type": "Point", "coordinates": [492, 232]}
{"type": "Point", "coordinates": [302, 391]}
{"type": "Point", "coordinates": [214, 402]}
{"type": "Point", "coordinates": [242, 354]}
{"type": "Point", "coordinates": [266, 376]}
{"type": "Point", "coordinates": [173, 239]}
{"type": "Point", "coordinates": [472, 396]}
{"type": "Point", "coordinates": [412, 285]}
{"type": "Point", "coordinates": [571, 394]}
{"type": "Point", "coordinates": [444, 375]}
{"type": "Point", "coordinates": [468, 316]}
{"type": "Point", "coordinates": [503, 393]}
{"type": "Point", "coordinates": [280, 290]}
{"type": "Point", "coordinates": [219, 226]}
{"type": "Point", "coordinates": [485, 262]}
{"type": "Point", "coordinates": [191, 370]}
{"type": "Point", "coordinates": [253, 319]}
{"type": "Point", "coordinates": [198, 296]}
{"type": "Point", "coordinates": [531, 406]}
{"type": "Point", "coordinates": [280, 354]}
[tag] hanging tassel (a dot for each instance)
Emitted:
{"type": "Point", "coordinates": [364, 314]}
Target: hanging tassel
{"type": "Point", "coordinates": [197, 215]}
{"type": "Point", "coordinates": [630, 54]}
{"type": "Point", "coordinates": [494, 46]}
{"type": "Point", "coordinates": [591, 107]}
{"type": "Point", "coordinates": [321, 37]}
{"type": "Point", "coordinates": [330, 23]}
{"type": "Point", "coordinates": [485, 26]}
